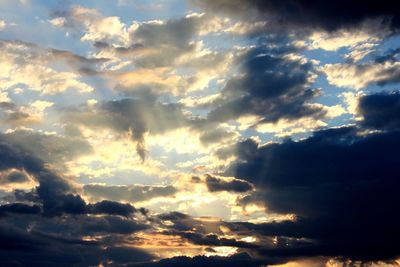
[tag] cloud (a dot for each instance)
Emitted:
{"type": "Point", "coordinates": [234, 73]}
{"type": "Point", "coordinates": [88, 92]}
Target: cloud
{"type": "Point", "coordinates": [216, 136]}
{"type": "Point", "coordinates": [272, 86]}
{"type": "Point", "coordinates": [95, 27]}
{"type": "Point", "coordinates": [359, 76]}
{"type": "Point", "coordinates": [302, 14]}
{"type": "Point", "coordinates": [14, 115]}
{"type": "Point", "coordinates": [13, 177]}
{"type": "Point", "coordinates": [52, 190]}
{"type": "Point", "coordinates": [129, 193]}
{"type": "Point", "coordinates": [132, 116]}
{"type": "Point", "coordinates": [23, 115]}
{"type": "Point", "coordinates": [44, 241]}
{"type": "Point", "coordinates": [183, 261]}
{"type": "Point", "coordinates": [158, 48]}
{"type": "Point", "coordinates": [337, 179]}
{"type": "Point", "coordinates": [381, 110]}
{"type": "Point", "coordinates": [111, 207]}
{"type": "Point", "coordinates": [50, 148]}
{"type": "Point", "coordinates": [343, 38]}
{"type": "Point", "coordinates": [19, 208]}
{"type": "Point", "coordinates": [56, 194]}
{"type": "Point", "coordinates": [215, 185]}
{"type": "Point", "coordinates": [29, 65]}
{"type": "Point", "coordinates": [171, 39]}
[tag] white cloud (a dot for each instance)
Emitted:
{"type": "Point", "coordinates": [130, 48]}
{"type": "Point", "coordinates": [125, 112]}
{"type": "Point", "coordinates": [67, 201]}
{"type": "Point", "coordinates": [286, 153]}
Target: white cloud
{"type": "Point", "coordinates": [26, 64]}
{"type": "Point", "coordinates": [334, 41]}
{"type": "Point", "coordinates": [359, 76]}
{"type": "Point", "coordinates": [95, 26]}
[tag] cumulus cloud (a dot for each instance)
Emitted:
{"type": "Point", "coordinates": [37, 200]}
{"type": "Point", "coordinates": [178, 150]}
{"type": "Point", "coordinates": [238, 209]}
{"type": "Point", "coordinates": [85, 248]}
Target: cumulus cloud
{"type": "Point", "coordinates": [359, 76]}
{"type": "Point", "coordinates": [132, 116]}
{"type": "Point", "coordinates": [29, 65]}
{"type": "Point", "coordinates": [271, 86]}
{"type": "Point", "coordinates": [95, 27]}
{"type": "Point", "coordinates": [158, 48]}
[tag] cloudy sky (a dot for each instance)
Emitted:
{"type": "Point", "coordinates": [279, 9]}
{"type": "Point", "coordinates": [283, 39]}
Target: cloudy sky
{"type": "Point", "coordinates": [199, 133]}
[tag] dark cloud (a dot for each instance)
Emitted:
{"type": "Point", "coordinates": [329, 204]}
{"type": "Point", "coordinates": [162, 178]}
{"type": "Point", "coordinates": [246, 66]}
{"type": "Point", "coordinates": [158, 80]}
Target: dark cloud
{"type": "Point", "coordinates": [48, 226]}
{"type": "Point", "coordinates": [381, 111]}
{"type": "Point", "coordinates": [52, 189]}
{"type": "Point", "coordinates": [270, 86]}
{"type": "Point", "coordinates": [20, 208]}
{"type": "Point", "coordinates": [111, 207]}
{"type": "Point", "coordinates": [38, 241]}
{"type": "Point", "coordinates": [107, 225]}
{"type": "Point", "coordinates": [245, 147]}
{"type": "Point", "coordinates": [56, 195]}
{"type": "Point", "coordinates": [49, 148]}
{"type": "Point", "coordinates": [308, 14]}
{"type": "Point", "coordinates": [13, 177]}
{"type": "Point", "coordinates": [342, 186]}
{"type": "Point", "coordinates": [215, 185]}
{"type": "Point", "coordinates": [237, 260]}
{"type": "Point", "coordinates": [133, 193]}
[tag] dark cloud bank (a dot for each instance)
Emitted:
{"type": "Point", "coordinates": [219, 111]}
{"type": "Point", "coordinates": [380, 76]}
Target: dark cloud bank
{"type": "Point", "coordinates": [46, 226]}
{"type": "Point", "coordinates": [310, 14]}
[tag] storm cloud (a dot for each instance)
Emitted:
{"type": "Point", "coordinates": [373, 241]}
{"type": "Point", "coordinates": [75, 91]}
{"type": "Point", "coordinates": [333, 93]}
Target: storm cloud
{"type": "Point", "coordinates": [271, 86]}
{"type": "Point", "coordinates": [381, 111]}
{"type": "Point", "coordinates": [342, 182]}
{"type": "Point", "coordinates": [328, 15]}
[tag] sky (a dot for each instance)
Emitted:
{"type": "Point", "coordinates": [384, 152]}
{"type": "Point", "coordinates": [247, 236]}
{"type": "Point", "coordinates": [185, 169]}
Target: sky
{"type": "Point", "coordinates": [199, 133]}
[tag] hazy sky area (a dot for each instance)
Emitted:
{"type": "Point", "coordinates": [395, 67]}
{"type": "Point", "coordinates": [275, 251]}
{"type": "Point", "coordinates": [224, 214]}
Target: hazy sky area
{"type": "Point", "coordinates": [237, 133]}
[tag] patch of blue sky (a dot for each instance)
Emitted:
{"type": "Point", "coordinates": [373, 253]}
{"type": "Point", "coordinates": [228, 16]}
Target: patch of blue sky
{"type": "Point", "coordinates": [223, 42]}
{"type": "Point", "coordinates": [252, 132]}
{"type": "Point", "coordinates": [38, 30]}
{"type": "Point", "coordinates": [389, 43]}
{"type": "Point", "coordinates": [325, 57]}
{"type": "Point", "coordinates": [343, 119]}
